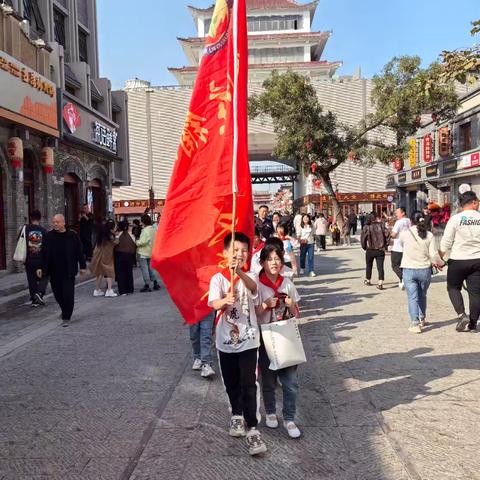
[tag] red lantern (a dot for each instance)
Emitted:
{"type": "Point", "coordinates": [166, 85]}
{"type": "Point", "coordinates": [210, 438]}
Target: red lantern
{"type": "Point", "coordinates": [317, 183]}
{"type": "Point", "coordinates": [15, 152]}
{"type": "Point", "coordinates": [46, 156]}
{"type": "Point", "coordinates": [313, 167]}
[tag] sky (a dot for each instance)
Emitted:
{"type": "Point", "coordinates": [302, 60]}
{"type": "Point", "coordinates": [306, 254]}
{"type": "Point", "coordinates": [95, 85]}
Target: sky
{"type": "Point", "coordinates": [139, 38]}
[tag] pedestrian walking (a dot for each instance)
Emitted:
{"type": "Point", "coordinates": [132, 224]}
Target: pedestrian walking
{"type": "Point", "coordinates": [462, 240]}
{"type": "Point", "coordinates": [402, 224]}
{"type": "Point", "coordinates": [86, 231]}
{"type": "Point", "coordinates": [201, 339]}
{"type": "Point", "coordinates": [353, 221]}
{"type": "Point", "coordinates": [125, 252]}
{"type": "Point", "coordinates": [103, 262]}
{"type": "Point", "coordinates": [419, 254]}
{"type": "Point", "coordinates": [307, 245]}
{"type": "Point", "coordinates": [263, 223]}
{"type": "Point", "coordinates": [34, 237]}
{"type": "Point", "coordinates": [297, 222]}
{"type": "Point", "coordinates": [290, 260]}
{"type": "Point", "coordinates": [237, 339]}
{"type": "Point", "coordinates": [335, 232]}
{"type": "Point", "coordinates": [321, 228]}
{"type": "Point", "coordinates": [276, 219]}
{"type": "Point", "coordinates": [62, 253]}
{"type": "Point", "coordinates": [144, 250]}
{"type": "Point", "coordinates": [374, 240]}
{"type": "Point", "coordinates": [362, 218]}
{"type": "Point", "coordinates": [347, 228]}
{"type": "Point", "coordinates": [278, 299]}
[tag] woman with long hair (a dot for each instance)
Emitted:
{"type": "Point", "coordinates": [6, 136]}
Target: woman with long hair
{"type": "Point", "coordinates": [419, 254]}
{"type": "Point", "coordinates": [307, 245]}
{"type": "Point", "coordinates": [125, 253]}
{"type": "Point", "coordinates": [102, 265]}
{"type": "Point", "coordinates": [374, 240]}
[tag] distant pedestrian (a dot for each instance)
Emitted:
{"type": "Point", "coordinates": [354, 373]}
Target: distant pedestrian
{"type": "Point", "coordinates": [144, 250]}
{"type": "Point", "coordinates": [278, 300]}
{"type": "Point", "coordinates": [62, 253]}
{"type": "Point", "coordinates": [86, 231]}
{"type": "Point", "coordinates": [462, 240]}
{"type": "Point", "coordinates": [276, 219]}
{"type": "Point", "coordinates": [419, 254]}
{"type": "Point", "coordinates": [258, 245]}
{"type": "Point", "coordinates": [374, 240]}
{"type": "Point", "coordinates": [35, 237]}
{"type": "Point", "coordinates": [362, 218]}
{"type": "Point", "coordinates": [402, 224]}
{"type": "Point", "coordinates": [321, 227]}
{"type": "Point", "coordinates": [125, 252]}
{"type": "Point", "coordinates": [353, 221]}
{"type": "Point", "coordinates": [136, 229]}
{"type": "Point", "coordinates": [103, 262]}
{"type": "Point", "coordinates": [297, 223]}
{"type": "Point", "coordinates": [201, 338]}
{"type": "Point", "coordinates": [263, 223]}
{"type": "Point", "coordinates": [288, 253]}
{"type": "Point", "coordinates": [347, 228]}
{"type": "Point", "coordinates": [335, 232]}
{"type": "Point", "coordinates": [307, 245]}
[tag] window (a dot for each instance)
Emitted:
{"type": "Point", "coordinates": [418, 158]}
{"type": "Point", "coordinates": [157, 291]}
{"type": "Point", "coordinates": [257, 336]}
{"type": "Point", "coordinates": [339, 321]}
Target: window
{"type": "Point", "coordinates": [274, 23]}
{"type": "Point", "coordinates": [207, 24]}
{"type": "Point", "coordinates": [276, 55]}
{"type": "Point", "coordinates": [465, 133]}
{"type": "Point", "coordinates": [82, 46]}
{"type": "Point", "coordinates": [59, 27]}
{"type": "Point", "coordinates": [31, 11]}
{"type": "Point", "coordinates": [95, 105]}
{"type": "Point", "coordinates": [70, 89]}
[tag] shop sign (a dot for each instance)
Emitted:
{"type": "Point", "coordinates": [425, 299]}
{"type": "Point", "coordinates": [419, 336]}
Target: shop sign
{"type": "Point", "coordinates": [390, 181]}
{"type": "Point", "coordinates": [417, 174]}
{"type": "Point", "coordinates": [444, 141]}
{"type": "Point", "coordinates": [71, 116]}
{"type": "Point", "coordinates": [412, 153]}
{"type": "Point", "coordinates": [29, 96]}
{"type": "Point", "coordinates": [104, 136]}
{"type": "Point", "coordinates": [402, 178]}
{"type": "Point", "coordinates": [449, 167]}
{"type": "Point", "coordinates": [432, 171]}
{"type": "Point", "coordinates": [427, 148]}
{"type": "Point", "coordinates": [470, 161]}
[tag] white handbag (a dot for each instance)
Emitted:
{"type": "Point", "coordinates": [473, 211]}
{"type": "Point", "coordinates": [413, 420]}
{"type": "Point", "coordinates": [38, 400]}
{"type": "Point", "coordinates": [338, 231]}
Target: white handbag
{"type": "Point", "coordinates": [283, 344]}
{"type": "Point", "coordinates": [20, 254]}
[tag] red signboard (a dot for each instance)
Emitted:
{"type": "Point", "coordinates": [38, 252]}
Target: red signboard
{"type": "Point", "coordinates": [398, 164]}
{"type": "Point", "coordinates": [427, 148]}
{"type": "Point", "coordinates": [71, 117]}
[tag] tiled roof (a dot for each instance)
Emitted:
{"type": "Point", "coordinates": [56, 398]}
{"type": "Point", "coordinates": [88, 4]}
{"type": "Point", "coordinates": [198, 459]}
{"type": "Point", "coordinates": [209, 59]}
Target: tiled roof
{"type": "Point", "coordinates": [268, 5]}
{"type": "Point", "coordinates": [272, 66]}
{"type": "Point", "coordinates": [268, 36]}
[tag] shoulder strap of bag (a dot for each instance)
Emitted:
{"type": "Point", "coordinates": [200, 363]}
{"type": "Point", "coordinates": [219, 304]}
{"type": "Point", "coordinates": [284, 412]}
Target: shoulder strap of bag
{"type": "Point", "coordinates": [418, 243]}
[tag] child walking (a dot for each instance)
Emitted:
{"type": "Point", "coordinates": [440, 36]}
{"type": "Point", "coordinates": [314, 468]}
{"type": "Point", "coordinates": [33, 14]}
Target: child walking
{"type": "Point", "coordinates": [201, 338]}
{"type": "Point", "coordinates": [278, 300]}
{"type": "Point", "coordinates": [237, 339]}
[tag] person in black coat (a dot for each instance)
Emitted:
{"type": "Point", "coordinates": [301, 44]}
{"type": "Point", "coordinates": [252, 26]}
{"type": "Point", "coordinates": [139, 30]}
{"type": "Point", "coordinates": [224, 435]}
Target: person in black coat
{"type": "Point", "coordinates": [62, 253]}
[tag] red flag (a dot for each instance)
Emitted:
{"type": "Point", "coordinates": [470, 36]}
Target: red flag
{"type": "Point", "coordinates": [212, 162]}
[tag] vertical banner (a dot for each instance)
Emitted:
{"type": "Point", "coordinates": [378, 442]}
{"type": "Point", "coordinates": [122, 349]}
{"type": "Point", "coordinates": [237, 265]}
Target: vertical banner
{"type": "Point", "coordinates": [212, 161]}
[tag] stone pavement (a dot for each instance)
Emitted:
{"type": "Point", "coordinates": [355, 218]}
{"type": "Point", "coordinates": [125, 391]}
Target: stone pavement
{"type": "Point", "coordinates": [113, 396]}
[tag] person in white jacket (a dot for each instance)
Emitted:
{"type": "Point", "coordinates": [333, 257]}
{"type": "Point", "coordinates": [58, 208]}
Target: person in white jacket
{"type": "Point", "coordinates": [462, 240]}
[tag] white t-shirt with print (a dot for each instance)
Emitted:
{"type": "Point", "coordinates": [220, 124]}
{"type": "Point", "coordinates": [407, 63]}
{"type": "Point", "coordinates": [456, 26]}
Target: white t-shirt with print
{"type": "Point", "coordinates": [237, 328]}
{"type": "Point", "coordinates": [264, 293]}
{"type": "Point", "coordinates": [400, 226]}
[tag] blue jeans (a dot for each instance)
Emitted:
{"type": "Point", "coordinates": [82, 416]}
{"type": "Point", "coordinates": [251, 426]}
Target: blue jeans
{"type": "Point", "coordinates": [307, 250]}
{"type": "Point", "coordinates": [201, 338]}
{"type": "Point", "coordinates": [289, 381]}
{"type": "Point", "coordinates": [148, 273]}
{"type": "Point", "coordinates": [417, 281]}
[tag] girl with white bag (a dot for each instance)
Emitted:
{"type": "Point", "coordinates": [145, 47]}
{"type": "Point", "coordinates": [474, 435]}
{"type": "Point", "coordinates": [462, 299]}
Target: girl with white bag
{"type": "Point", "coordinates": [278, 306]}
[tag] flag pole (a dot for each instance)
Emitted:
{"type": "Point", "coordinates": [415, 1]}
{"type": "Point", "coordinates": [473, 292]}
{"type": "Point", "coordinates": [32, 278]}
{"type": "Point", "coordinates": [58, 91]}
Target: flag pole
{"type": "Point", "coordinates": [235, 133]}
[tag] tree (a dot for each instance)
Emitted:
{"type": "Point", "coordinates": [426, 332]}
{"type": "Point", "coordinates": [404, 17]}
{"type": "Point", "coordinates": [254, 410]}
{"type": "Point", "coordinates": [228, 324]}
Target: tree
{"type": "Point", "coordinates": [462, 65]}
{"type": "Point", "coordinates": [319, 143]}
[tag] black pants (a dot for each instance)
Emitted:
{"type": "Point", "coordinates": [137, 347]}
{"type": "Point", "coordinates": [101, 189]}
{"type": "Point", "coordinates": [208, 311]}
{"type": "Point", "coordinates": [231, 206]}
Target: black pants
{"type": "Point", "coordinates": [379, 257]}
{"type": "Point", "coordinates": [35, 284]}
{"type": "Point", "coordinates": [64, 292]}
{"type": "Point", "coordinates": [396, 262]}
{"type": "Point", "coordinates": [458, 272]}
{"type": "Point", "coordinates": [321, 242]}
{"type": "Point", "coordinates": [239, 372]}
{"type": "Point", "coordinates": [87, 247]}
{"type": "Point", "coordinates": [353, 228]}
{"type": "Point", "coordinates": [124, 271]}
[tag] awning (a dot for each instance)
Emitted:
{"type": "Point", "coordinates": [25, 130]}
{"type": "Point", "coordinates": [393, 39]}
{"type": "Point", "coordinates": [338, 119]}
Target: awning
{"type": "Point", "coordinates": [134, 210]}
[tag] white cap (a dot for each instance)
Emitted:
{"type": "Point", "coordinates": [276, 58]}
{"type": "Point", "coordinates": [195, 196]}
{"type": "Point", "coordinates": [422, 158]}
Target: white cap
{"type": "Point", "coordinates": [464, 187]}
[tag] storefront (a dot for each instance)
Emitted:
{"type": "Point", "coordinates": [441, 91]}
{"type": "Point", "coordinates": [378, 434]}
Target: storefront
{"type": "Point", "coordinates": [134, 209]}
{"type": "Point", "coordinates": [28, 127]}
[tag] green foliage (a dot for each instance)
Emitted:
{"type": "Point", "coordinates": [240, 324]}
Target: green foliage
{"type": "Point", "coordinates": [462, 65]}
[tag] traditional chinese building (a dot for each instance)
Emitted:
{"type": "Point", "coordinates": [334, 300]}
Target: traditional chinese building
{"type": "Point", "coordinates": [63, 132]}
{"type": "Point", "coordinates": [280, 37]}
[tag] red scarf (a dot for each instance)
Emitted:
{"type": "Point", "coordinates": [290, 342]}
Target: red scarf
{"type": "Point", "coordinates": [268, 283]}
{"type": "Point", "coordinates": [258, 248]}
{"type": "Point", "coordinates": [227, 273]}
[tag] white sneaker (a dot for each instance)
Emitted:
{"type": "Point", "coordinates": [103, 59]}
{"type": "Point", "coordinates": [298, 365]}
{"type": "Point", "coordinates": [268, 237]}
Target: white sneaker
{"type": "Point", "coordinates": [401, 285]}
{"type": "Point", "coordinates": [255, 443]}
{"type": "Point", "coordinates": [302, 271]}
{"type": "Point", "coordinates": [207, 370]}
{"type": "Point", "coordinates": [415, 329]}
{"type": "Point", "coordinates": [197, 364]}
{"type": "Point", "coordinates": [237, 426]}
{"type": "Point", "coordinates": [110, 293]}
{"type": "Point", "coordinates": [98, 293]}
{"type": "Point", "coordinates": [292, 429]}
{"type": "Point", "coordinates": [312, 274]}
{"type": "Point", "coordinates": [271, 421]}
